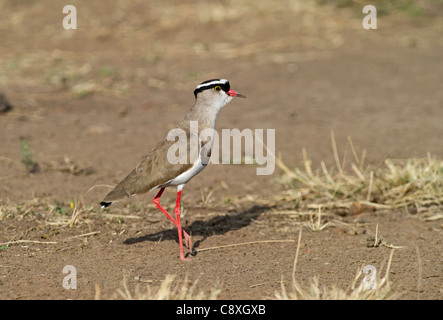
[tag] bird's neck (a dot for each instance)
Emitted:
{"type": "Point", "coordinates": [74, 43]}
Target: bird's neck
{"type": "Point", "coordinates": [204, 113]}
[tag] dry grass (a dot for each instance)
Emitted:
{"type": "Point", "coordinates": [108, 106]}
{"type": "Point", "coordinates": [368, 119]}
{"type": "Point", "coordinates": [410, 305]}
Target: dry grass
{"type": "Point", "coordinates": [316, 292]}
{"type": "Point", "coordinates": [354, 292]}
{"type": "Point", "coordinates": [355, 186]}
{"type": "Point", "coordinates": [49, 211]}
{"type": "Point", "coordinates": [168, 290]}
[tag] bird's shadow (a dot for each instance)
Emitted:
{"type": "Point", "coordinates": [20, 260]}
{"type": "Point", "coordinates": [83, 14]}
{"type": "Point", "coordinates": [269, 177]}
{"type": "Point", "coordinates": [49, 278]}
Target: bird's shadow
{"type": "Point", "coordinates": [215, 226]}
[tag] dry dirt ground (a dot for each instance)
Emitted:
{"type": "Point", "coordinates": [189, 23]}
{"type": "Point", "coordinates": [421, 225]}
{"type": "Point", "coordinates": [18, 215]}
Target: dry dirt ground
{"type": "Point", "coordinates": [90, 102]}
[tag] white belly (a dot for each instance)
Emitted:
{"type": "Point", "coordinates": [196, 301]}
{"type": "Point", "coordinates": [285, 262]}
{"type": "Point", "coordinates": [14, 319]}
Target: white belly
{"type": "Point", "coordinates": [198, 166]}
{"type": "Point", "coordinates": [187, 175]}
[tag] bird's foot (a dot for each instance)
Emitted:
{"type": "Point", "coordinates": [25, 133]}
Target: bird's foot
{"type": "Point", "coordinates": [185, 259]}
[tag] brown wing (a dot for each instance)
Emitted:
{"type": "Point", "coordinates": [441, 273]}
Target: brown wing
{"type": "Point", "coordinates": [155, 169]}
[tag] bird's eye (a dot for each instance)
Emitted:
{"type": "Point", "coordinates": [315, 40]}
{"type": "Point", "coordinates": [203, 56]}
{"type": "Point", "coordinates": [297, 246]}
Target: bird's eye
{"type": "Point", "coordinates": [217, 88]}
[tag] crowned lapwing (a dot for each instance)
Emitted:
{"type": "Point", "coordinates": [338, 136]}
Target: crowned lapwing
{"type": "Point", "coordinates": [162, 167]}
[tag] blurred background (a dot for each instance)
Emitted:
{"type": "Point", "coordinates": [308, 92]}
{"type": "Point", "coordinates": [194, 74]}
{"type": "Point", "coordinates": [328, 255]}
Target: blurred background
{"type": "Point", "coordinates": [86, 104]}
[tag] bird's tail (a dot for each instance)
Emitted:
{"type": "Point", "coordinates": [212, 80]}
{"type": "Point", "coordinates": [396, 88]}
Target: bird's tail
{"type": "Point", "coordinates": [106, 204]}
{"type": "Point", "coordinates": [117, 194]}
{"type": "Point", "coordinates": [120, 192]}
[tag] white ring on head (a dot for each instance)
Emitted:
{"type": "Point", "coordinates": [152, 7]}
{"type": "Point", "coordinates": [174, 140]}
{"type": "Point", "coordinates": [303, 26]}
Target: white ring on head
{"type": "Point", "coordinates": [208, 84]}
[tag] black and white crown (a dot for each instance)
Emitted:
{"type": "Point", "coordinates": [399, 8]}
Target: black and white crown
{"type": "Point", "coordinates": [210, 84]}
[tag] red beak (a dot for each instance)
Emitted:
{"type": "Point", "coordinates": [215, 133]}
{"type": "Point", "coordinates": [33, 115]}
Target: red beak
{"type": "Point", "coordinates": [234, 93]}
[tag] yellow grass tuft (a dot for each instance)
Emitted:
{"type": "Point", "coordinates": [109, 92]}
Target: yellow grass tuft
{"type": "Point", "coordinates": [168, 290]}
{"type": "Point", "coordinates": [382, 291]}
{"type": "Point", "coordinates": [415, 184]}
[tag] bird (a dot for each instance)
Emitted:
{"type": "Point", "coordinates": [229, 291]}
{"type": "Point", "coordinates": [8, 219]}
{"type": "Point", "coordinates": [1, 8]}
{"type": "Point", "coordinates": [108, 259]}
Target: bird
{"type": "Point", "coordinates": [157, 171]}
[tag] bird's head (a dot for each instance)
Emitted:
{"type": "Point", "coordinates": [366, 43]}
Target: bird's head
{"type": "Point", "coordinates": [216, 91]}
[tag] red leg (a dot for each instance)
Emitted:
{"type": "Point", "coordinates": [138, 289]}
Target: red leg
{"type": "Point", "coordinates": [188, 241]}
{"type": "Point", "coordinates": [179, 227]}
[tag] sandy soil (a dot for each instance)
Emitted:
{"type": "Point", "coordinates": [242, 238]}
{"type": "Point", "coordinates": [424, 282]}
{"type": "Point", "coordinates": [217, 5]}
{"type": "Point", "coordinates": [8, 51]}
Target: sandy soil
{"type": "Point", "coordinates": [91, 102]}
